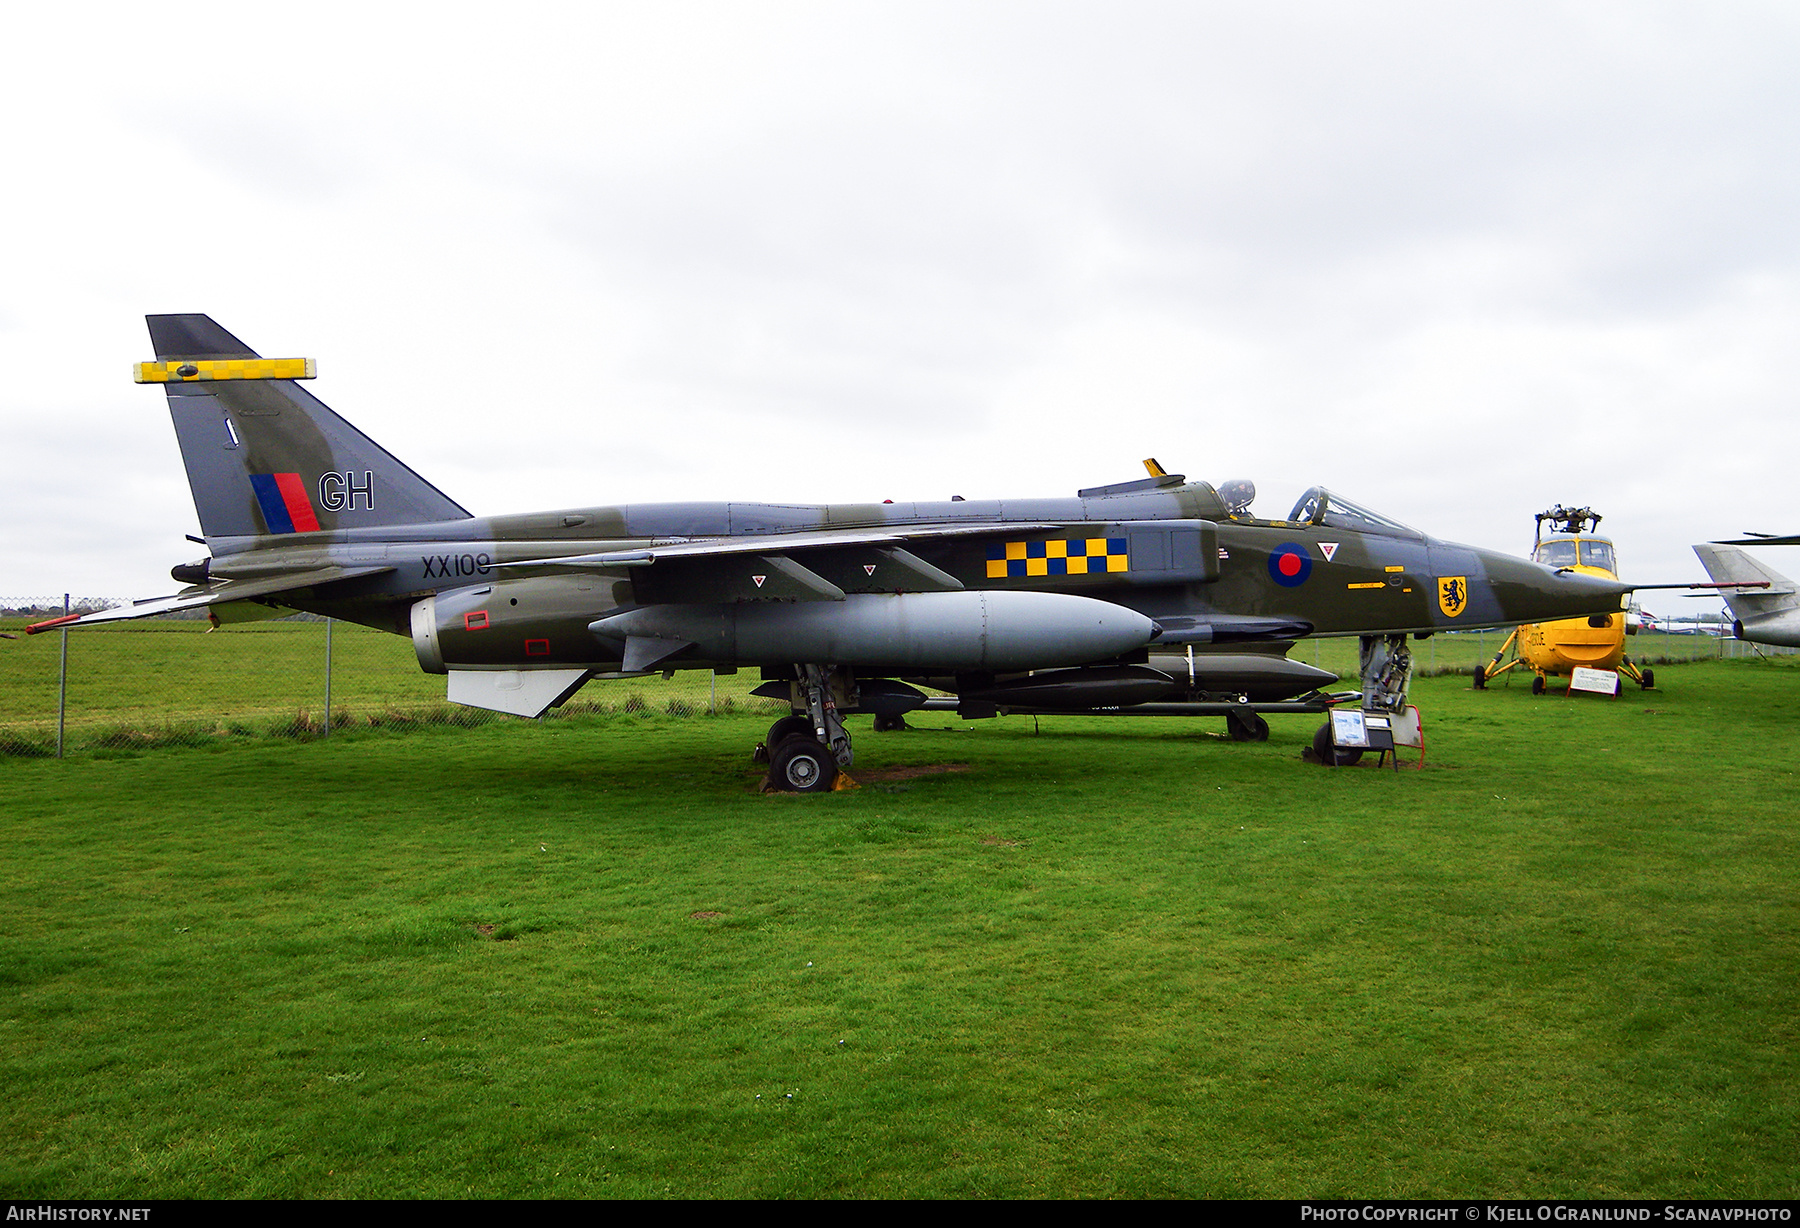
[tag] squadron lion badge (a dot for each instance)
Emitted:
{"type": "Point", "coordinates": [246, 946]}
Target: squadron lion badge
{"type": "Point", "coordinates": [1453, 595]}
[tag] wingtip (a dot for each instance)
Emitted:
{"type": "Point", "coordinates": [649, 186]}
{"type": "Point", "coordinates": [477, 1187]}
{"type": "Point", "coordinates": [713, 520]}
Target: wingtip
{"type": "Point", "coordinates": [50, 624]}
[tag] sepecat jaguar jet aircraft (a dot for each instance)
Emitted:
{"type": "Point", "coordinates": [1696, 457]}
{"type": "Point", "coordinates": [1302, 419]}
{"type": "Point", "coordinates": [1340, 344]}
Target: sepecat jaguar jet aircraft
{"type": "Point", "coordinates": [1036, 602]}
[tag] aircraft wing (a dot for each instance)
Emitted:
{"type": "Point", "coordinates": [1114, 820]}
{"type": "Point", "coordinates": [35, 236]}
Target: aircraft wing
{"type": "Point", "coordinates": [774, 543]}
{"type": "Point", "coordinates": [209, 595]}
{"type": "Point", "coordinates": [817, 565]}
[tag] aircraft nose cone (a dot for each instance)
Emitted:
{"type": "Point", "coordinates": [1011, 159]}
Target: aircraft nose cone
{"type": "Point", "coordinates": [1529, 592]}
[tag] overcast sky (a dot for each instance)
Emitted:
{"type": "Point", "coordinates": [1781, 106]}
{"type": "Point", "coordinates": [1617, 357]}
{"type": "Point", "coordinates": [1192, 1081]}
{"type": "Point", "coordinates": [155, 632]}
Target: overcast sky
{"type": "Point", "coordinates": [1458, 261]}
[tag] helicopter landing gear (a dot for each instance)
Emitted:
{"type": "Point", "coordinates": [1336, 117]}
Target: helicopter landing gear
{"type": "Point", "coordinates": [1645, 678]}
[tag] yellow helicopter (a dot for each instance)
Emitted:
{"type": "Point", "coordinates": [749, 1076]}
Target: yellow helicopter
{"type": "Point", "coordinates": [1559, 648]}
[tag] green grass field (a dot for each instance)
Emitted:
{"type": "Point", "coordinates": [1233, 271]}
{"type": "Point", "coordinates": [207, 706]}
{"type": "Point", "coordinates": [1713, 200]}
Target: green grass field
{"type": "Point", "coordinates": [1072, 957]}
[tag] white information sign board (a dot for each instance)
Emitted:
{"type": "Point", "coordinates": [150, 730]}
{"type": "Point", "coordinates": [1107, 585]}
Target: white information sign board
{"type": "Point", "coordinates": [1599, 681]}
{"type": "Point", "coordinates": [1347, 728]}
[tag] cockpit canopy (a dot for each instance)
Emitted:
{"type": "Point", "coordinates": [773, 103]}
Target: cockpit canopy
{"type": "Point", "coordinates": [1323, 507]}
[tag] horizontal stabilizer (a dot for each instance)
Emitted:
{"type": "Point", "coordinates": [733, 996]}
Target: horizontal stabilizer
{"type": "Point", "coordinates": [217, 594]}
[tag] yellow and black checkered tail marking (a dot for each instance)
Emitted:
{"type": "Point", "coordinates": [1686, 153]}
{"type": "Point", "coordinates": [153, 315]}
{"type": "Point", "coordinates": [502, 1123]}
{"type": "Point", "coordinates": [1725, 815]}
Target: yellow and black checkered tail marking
{"type": "Point", "coordinates": [198, 370]}
{"type": "Point", "coordinates": [1063, 556]}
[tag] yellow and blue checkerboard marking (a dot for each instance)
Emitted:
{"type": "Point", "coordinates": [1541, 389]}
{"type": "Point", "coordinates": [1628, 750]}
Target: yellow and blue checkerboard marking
{"type": "Point", "coordinates": [1058, 557]}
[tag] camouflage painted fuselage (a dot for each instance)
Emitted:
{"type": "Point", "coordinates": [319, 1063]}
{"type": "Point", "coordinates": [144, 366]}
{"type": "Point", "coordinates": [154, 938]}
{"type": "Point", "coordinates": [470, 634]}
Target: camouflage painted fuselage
{"type": "Point", "coordinates": [1173, 555]}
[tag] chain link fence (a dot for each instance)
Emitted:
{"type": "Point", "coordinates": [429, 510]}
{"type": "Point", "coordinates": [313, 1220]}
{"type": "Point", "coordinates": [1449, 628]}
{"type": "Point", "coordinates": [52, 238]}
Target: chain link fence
{"type": "Point", "coordinates": [178, 681]}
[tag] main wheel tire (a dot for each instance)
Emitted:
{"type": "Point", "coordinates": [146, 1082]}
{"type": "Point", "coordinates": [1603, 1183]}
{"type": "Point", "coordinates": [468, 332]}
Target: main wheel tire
{"type": "Point", "coordinates": [1649, 679]}
{"type": "Point", "coordinates": [890, 724]}
{"type": "Point", "coordinates": [788, 727]}
{"type": "Point", "coordinates": [1537, 684]}
{"type": "Point", "coordinates": [802, 765]}
{"type": "Point", "coordinates": [1341, 756]}
{"type": "Point", "coordinates": [1480, 678]}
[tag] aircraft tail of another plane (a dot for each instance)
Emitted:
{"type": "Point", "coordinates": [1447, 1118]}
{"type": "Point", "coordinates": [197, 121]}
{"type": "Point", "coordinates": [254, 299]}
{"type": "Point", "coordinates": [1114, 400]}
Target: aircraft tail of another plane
{"type": "Point", "coordinates": [264, 457]}
{"type": "Point", "coordinates": [1729, 565]}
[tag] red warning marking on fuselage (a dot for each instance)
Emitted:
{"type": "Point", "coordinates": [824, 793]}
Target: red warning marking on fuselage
{"type": "Point", "coordinates": [476, 620]}
{"type": "Point", "coordinates": [759, 580]}
{"type": "Point", "coordinates": [868, 569]}
{"type": "Point", "coordinates": [1328, 549]}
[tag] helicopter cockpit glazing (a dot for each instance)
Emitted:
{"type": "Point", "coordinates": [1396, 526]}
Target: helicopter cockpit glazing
{"type": "Point", "coordinates": [1585, 551]}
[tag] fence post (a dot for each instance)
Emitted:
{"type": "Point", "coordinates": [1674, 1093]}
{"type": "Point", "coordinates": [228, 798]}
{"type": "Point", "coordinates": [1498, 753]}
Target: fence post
{"type": "Point", "coordinates": [327, 732]}
{"type": "Point", "coordinates": [62, 682]}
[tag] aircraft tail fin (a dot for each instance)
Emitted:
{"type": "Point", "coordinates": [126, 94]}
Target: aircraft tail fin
{"type": "Point", "coordinates": [265, 457]}
{"type": "Point", "coordinates": [1729, 565]}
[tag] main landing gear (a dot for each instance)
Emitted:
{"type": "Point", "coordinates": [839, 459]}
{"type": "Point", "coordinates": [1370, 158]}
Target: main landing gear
{"type": "Point", "coordinates": [806, 751]}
